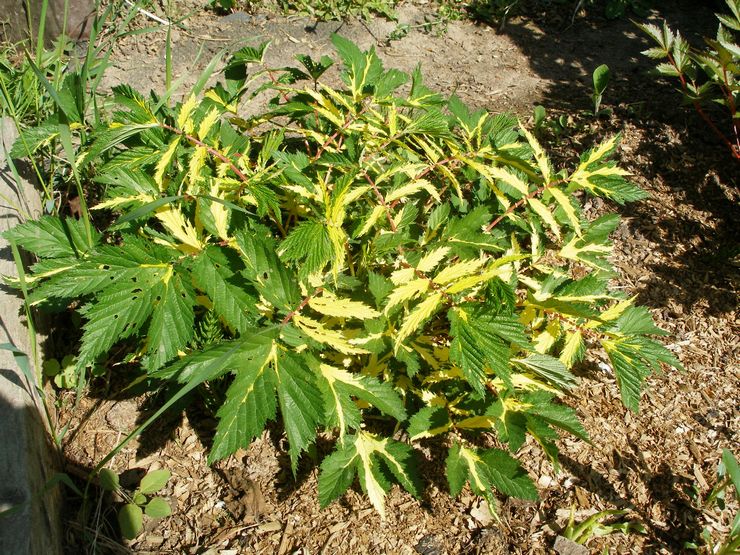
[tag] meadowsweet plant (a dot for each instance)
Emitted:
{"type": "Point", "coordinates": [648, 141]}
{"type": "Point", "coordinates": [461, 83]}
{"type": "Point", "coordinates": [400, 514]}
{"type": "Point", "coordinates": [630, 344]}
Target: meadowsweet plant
{"type": "Point", "coordinates": [385, 265]}
{"type": "Point", "coordinates": [707, 76]}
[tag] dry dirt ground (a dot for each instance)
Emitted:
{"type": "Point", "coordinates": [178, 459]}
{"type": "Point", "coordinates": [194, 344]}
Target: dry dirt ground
{"type": "Point", "coordinates": [678, 251]}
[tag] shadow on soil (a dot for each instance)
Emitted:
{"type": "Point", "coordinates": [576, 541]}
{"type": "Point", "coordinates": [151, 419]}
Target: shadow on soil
{"type": "Point", "coordinates": [678, 152]}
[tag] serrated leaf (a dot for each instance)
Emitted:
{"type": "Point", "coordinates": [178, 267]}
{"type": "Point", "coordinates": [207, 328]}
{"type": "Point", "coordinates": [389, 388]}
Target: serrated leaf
{"type": "Point", "coordinates": [480, 343]}
{"type": "Point", "coordinates": [164, 162]}
{"type": "Point", "coordinates": [630, 373]}
{"type": "Point", "coordinates": [117, 313]}
{"type": "Point", "coordinates": [573, 350]}
{"type": "Point", "coordinates": [340, 385]}
{"type": "Point", "coordinates": [215, 272]}
{"type": "Point", "coordinates": [406, 292]}
{"type": "Point", "coordinates": [51, 237]}
{"type": "Point", "coordinates": [428, 422]}
{"type": "Point", "coordinates": [544, 212]}
{"type": "Point", "coordinates": [507, 475]}
{"type": "Point", "coordinates": [172, 323]}
{"type": "Point", "coordinates": [154, 481]}
{"type": "Point", "coordinates": [300, 403]}
{"type": "Point", "coordinates": [539, 154]}
{"type": "Point", "coordinates": [420, 313]}
{"type": "Point", "coordinates": [338, 471]}
{"type": "Point", "coordinates": [549, 368]}
{"type": "Point", "coordinates": [309, 241]}
{"type": "Point", "coordinates": [250, 403]}
{"type": "Point", "coordinates": [335, 339]}
{"type": "Point", "coordinates": [364, 454]}
{"type": "Point", "coordinates": [330, 305]}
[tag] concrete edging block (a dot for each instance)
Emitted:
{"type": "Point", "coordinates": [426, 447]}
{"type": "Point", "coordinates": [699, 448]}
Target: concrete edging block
{"type": "Point", "coordinates": [27, 454]}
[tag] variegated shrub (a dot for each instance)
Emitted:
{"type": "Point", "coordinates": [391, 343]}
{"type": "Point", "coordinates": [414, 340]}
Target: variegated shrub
{"type": "Point", "coordinates": [384, 266]}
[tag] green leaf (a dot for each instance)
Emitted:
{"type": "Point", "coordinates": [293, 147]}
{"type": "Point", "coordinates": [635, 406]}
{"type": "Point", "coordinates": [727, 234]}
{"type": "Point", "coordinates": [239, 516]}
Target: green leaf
{"type": "Point", "coordinates": [130, 519]}
{"type": "Point", "coordinates": [300, 403]}
{"type": "Point", "coordinates": [601, 77]}
{"type": "Point", "coordinates": [456, 470]}
{"type": "Point", "coordinates": [250, 403]}
{"type": "Point", "coordinates": [158, 508]}
{"type": "Point", "coordinates": [366, 455]}
{"type": "Point", "coordinates": [732, 468]}
{"type": "Point", "coordinates": [549, 368]}
{"type": "Point", "coordinates": [108, 479]}
{"type": "Point", "coordinates": [630, 373]}
{"type": "Point", "coordinates": [51, 237]}
{"type": "Point", "coordinates": [428, 422]}
{"type": "Point", "coordinates": [214, 361]}
{"type": "Point", "coordinates": [310, 242]}
{"type": "Point", "coordinates": [637, 320]}
{"type": "Point", "coordinates": [172, 323]}
{"type": "Point", "coordinates": [215, 271]}
{"type": "Point", "coordinates": [154, 481]}
{"type": "Point", "coordinates": [483, 341]}
{"type": "Point", "coordinates": [486, 470]}
{"type": "Point", "coordinates": [338, 471]}
{"type": "Point", "coordinates": [564, 417]}
{"type": "Point", "coordinates": [507, 475]}
{"type": "Point", "coordinates": [118, 312]}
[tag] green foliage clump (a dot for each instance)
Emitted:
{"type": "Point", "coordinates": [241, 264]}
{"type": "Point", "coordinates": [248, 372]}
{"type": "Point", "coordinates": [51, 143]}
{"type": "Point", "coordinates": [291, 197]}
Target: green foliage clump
{"type": "Point", "coordinates": [707, 76]}
{"type": "Point", "coordinates": [385, 264]}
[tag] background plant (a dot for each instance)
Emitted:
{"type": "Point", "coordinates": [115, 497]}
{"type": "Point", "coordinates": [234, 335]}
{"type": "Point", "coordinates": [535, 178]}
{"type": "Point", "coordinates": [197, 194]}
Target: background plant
{"type": "Point", "coordinates": [139, 502]}
{"type": "Point", "coordinates": [728, 476]}
{"type": "Point", "coordinates": [707, 76]}
{"type": "Point", "coordinates": [386, 265]}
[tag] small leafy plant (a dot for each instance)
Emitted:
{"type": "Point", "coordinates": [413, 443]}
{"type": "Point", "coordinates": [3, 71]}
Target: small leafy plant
{"type": "Point", "coordinates": [706, 76]}
{"type": "Point", "coordinates": [386, 266]}
{"type": "Point", "coordinates": [728, 476]}
{"type": "Point", "coordinates": [601, 77]}
{"type": "Point", "coordinates": [140, 501]}
{"type": "Point", "coordinates": [594, 526]}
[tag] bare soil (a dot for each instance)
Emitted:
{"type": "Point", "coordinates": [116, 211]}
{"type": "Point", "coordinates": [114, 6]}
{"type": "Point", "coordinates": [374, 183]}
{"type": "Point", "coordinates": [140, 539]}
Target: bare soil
{"type": "Point", "coordinates": [678, 251]}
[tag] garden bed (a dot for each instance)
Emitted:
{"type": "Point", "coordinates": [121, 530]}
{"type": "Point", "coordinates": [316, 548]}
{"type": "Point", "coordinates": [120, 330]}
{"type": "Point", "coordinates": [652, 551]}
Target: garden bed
{"type": "Point", "coordinates": [676, 250]}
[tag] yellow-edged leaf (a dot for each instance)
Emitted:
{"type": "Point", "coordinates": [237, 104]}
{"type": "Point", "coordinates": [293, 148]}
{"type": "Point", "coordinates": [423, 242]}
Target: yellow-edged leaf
{"type": "Point", "coordinates": [207, 124]}
{"type": "Point", "coordinates": [181, 229]}
{"type": "Point", "coordinates": [164, 162]}
{"type": "Point", "coordinates": [186, 110]}
{"type": "Point", "coordinates": [564, 202]}
{"type": "Point", "coordinates": [459, 270]}
{"type": "Point", "coordinates": [544, 213]}
{"type": "Point", "coordinates": [220, 213]}
{"type": "Point", "coordinates": [330, 305]}
{"type": "Point", "coordinates": [430, 260]}
{"type": "Point", "coordinates": [412, 188]}
{"type": "Point", "coordinates": [573, 346]}
{"type": "Point", "coordinates": [406, 292]}
{"type": "Point", "coordinates": [333, 338]}
{"type": "Point", "coordinates": [418, 315]}
{"type": "Point", "coordinates": [539, 154]}
{"type": "Point", "coordinates": [372, 219]}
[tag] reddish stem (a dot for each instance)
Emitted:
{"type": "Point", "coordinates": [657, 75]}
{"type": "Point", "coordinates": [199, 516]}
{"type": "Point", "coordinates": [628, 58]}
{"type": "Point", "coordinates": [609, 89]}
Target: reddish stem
{"type": "Point", "coordinates": [301, 306]}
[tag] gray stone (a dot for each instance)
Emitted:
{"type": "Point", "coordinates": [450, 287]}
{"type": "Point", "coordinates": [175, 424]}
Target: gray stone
{"type": "Point", "coordinates": [15, 18]}
{"type": "Point", "coordinates": [27, 454]}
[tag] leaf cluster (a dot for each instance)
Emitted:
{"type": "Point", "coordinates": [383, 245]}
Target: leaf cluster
{"type": "Point", "coordinates": [377, 258]}
{"type": "Point", "coordinates": [708, 75]}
